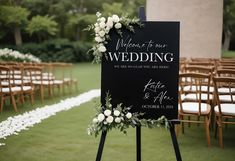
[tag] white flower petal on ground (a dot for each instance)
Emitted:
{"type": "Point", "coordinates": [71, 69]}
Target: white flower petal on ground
{"type": "Point", "coordinates": [107, 112]}
{"type": "Point", "coordinates": [109, 119]}
{"type": "Point", "coordinates": [13, 125]}
{"type": "Point", "coordinates": [128, 115]}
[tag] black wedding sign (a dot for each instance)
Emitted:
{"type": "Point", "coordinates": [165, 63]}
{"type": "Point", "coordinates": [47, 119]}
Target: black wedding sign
{"type": "Point", "coordinates": [141, 69]}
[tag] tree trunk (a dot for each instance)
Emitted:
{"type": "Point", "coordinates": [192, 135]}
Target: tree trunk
{"type": "Point", "coordinates": [77, 37]}
{"type": "Point", "coordinates": [227, 38]}
{"type": "Point", "coordinates": [18, 38]}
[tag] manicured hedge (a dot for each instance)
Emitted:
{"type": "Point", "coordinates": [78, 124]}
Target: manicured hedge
{"type": "Point", "coordinates": [57, 50]}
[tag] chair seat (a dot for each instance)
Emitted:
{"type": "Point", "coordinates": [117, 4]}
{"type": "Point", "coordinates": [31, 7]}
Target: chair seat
{"type": "Point", "coordinates": [57, 82]}
{"type": "Point", "coordinates": [42, 82]}
{"type": "Point", "coordinates": [27, 88]}
{"type": "Point", "coordinates": [193, 107]}
{"type": "Point", "coordinates": [13, 89]}
{"type": "Point", "coordinates": [226, 98]}
{"type": "Point", "coordinates": [193, 88]}
{"type": "Point", "coordinates": [226, 109]}
{"type": "Point", "coordinates": [196, 97]}
{"type": "Point", "coordinates": [225, 90]}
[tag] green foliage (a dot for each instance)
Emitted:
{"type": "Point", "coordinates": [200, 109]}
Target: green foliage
{"type": "Point", "coordinates": [229, 15]}
{"type": "Point", "coordinates": [13, 16]}
{"type": "Point", "coordinates": [42, 26]}
{"type": "Point", "coordinates": [114, 8]}
{"type": "Point", "coordinates": [58, 50]}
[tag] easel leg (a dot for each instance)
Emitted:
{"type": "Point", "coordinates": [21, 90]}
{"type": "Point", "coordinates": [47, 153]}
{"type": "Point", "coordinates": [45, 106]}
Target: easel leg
{"type": "Point", "coordinates": [101, 146]}
{"type": "Point", "coordinates": [175, 143]}
{"type": "Point", "coordinates": [138, 143]}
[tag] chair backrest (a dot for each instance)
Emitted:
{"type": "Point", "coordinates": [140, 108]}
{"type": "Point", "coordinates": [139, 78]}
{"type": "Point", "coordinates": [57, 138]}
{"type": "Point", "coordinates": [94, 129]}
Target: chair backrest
{"type": "Point", "coordinates": [226, 72]}
{"type": "Point", "coordinates": [33, 73]}
{"type": "Point", "coordinates": [224, 86]}
{"type": "Point", "coordinates": [5, 78]}
{"type": "Point", "coordinates": [198, 81]}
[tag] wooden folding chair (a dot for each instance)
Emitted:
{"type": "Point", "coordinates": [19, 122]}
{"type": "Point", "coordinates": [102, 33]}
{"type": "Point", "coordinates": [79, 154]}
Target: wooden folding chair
{"type": "Point", "coordinates": [225, 108]}
{"type": "Point", "coordinates": [7, 88]}
{"type": "Point", "coordinates": [195, 107]}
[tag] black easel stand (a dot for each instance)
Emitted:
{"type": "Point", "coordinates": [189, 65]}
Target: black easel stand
{"type": "Point", "coordinates": [101, 145]}
{"type": "Point", "coordinates": [142, 17]}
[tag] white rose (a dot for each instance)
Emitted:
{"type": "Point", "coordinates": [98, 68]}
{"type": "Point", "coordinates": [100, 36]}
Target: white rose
{"type": "Point", "coordinates": [105, 122]}
{"type": "Point", "coordinates": [109, 22]}
{"type": "Point", "coordinates": [107, 112]}
{"type": "Point", "coordinates": [107, 30]}
{"type": "Point", "coordinates": [95, 120]}
{"type": "Point", "coordinates": [117, 120]}
{"type": "Point", "coordinates": [102, 33]}
{"type": "Point", "coordinates": [101, 117]}
{"type": "Point", "coordinates": [115, 18]}
{"type": "Point", "coordinates": [102, 25]}
{"type": "Point", "coordinates": [98, 14]}
{"type": "Point", "coordinates": [128, 115]}
{"type": "Point", "coordinates": [118, 25]}
{"type": "Point", "coordinates": [98, 39]}
{"type": "Point", "coordinates": [116, 113]}
{"type": "Point", "coordinates": [102, 19]}
{"type": "Point", "coordinates": [109, 119]}
{"type": "Point", "coordinates": [102, 48]}
{"type": "Point", "coordinates": [97, 29]}
{"type": "Point", "coordinates": [96, 25]}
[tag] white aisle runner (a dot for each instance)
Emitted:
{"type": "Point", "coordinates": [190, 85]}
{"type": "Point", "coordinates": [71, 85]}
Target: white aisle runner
{"type": "Point", "coordinates": [13, 125]}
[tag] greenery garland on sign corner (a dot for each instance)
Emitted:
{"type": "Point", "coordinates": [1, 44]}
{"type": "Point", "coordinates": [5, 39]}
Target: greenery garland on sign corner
{"type": "Point", "coordinates": [119, 117]}
{"type": "Point", "coordinates": [102, 28]}
{"type": "Point", "coordinates": [108, 116]}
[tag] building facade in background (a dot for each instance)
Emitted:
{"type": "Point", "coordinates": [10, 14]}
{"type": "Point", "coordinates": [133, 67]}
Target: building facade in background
{"type": "Point", "coordinates": [201, 24]}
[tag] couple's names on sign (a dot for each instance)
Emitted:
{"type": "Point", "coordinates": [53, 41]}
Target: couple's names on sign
{"type": "Point", "coordinates": [140, 69]}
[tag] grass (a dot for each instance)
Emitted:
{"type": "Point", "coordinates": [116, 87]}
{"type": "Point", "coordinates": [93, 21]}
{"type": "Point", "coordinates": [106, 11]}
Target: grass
{"type": "Point", "coordinates": [63, 137]}
{"type": "Point", "coordinates": [228, 54]}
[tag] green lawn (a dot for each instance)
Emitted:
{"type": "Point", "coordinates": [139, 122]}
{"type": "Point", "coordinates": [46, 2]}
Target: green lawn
{"type": "Point", "coordinates": [228, 54]}
{"type": "Point", "coordinates": [63, 137]}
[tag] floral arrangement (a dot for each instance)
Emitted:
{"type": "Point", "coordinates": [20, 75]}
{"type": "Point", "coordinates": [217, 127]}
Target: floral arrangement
{"type": "Point", "coordinates": [13, 55]}
{"type": "Point", "coordinates": [119, 117]}
{"type": "Point", "coordinates": [102, 28]}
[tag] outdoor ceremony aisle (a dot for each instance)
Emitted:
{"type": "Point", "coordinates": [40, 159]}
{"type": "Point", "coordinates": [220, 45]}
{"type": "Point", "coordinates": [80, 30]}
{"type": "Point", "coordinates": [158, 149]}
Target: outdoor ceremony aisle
{"type": "Point", "coordinates": [13, 125]}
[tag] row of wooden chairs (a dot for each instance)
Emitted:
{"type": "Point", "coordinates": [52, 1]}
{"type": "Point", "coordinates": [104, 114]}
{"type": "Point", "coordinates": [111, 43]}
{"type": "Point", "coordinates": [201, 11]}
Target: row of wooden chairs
{"type": "Point", "coordinates": [19, 80]}
{"type": "Point", "coordinates": [208, 92]}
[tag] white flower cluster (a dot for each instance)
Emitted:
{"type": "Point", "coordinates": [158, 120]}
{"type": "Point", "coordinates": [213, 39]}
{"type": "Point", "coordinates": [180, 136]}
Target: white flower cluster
{"type": "Point", "coordinates": [110, 116]}
{"type": "Point", "coordinates": [10, 54]}
{"type": "Point", "coordinates": [13, 125]}
{"type": "Point", "coordinates": [102, 28]}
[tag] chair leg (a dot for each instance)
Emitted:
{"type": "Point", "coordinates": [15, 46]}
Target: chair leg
{"type": "Point", "coordinates": [13, 102]}
{"type": "Point", "coordinates": [189, 124]}
{"type": "Point", "coordinates": [1, 104]}
{"type": "Point", "coordinates": [220, 133]}
{"type": "Point", "coordinates": [207, 128]}
{"type": "Point", "coordinates": [216, 129]}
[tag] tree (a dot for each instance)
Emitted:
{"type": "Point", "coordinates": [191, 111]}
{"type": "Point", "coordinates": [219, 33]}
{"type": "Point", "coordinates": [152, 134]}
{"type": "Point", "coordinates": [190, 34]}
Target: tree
{"type": "Point", "coordinates": [42, 26]}
{"type": "Point", "coordinates": [14, 17]}
{"type": "Point", "coordinates": [228, 22]}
